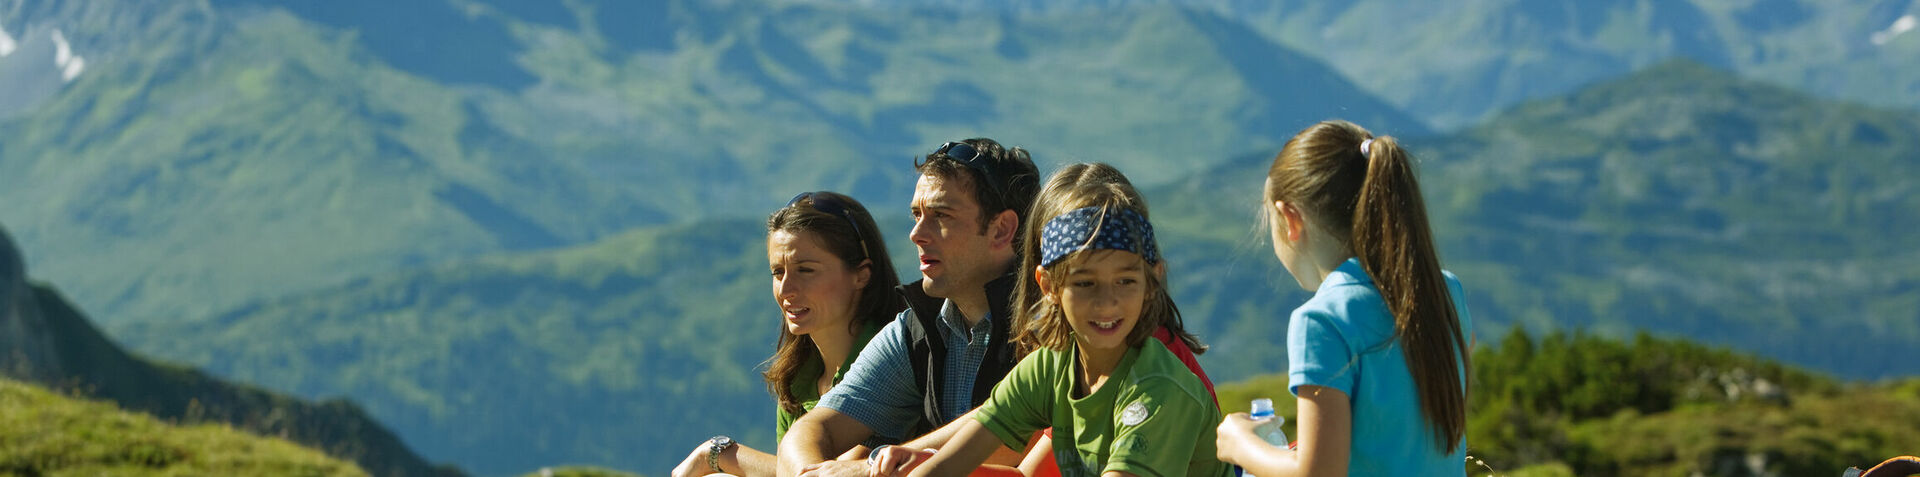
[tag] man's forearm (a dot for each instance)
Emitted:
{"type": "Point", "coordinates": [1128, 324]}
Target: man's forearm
{"type": "Point", "coordinates": [802, 447]}
{"type": "Point", "coordinates": [818, 436]}
{"type": "Point", "coordinates": [747, 462]}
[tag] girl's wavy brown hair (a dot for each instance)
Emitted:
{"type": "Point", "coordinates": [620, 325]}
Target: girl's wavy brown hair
{"type": "Point", "coordinates": [1073, 187]}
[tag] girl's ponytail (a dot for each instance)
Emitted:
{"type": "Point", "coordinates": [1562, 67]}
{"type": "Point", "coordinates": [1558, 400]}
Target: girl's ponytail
{"type": "Point", "coordinates": [1395, 245]}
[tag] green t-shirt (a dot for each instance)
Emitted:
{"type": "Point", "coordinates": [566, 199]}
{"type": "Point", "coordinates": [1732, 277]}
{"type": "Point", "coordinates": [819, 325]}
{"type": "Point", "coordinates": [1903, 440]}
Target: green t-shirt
{"type": "Point", "coordinates": [1153, 417]}
{"type": "Point", "coordinates": [802, 385]}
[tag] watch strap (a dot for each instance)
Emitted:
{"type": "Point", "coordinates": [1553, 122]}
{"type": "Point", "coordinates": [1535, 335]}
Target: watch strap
{"type": "Point", "coordinates": [715, 446]}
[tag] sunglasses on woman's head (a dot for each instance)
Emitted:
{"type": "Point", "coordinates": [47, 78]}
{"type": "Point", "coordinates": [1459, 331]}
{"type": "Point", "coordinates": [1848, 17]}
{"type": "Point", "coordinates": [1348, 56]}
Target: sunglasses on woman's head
{"type": "Point", "coordinates": [973, 159]}
{"type": "Point", "coordinates": [833, 206]}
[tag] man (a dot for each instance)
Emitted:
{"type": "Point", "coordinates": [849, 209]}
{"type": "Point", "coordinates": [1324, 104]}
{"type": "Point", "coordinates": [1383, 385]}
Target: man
{"type": "Point", "coordinates": [941, 357]}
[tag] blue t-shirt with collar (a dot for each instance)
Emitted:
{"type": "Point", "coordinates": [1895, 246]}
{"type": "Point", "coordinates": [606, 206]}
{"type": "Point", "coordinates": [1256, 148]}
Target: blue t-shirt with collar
{"type": "Point", "coordinates": [879, 389]}
{"type": "Point", "coordinates": [1343, 338]}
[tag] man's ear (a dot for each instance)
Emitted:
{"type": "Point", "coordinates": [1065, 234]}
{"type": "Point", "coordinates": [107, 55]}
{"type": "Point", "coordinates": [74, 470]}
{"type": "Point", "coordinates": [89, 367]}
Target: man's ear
{"type": "Point", "coordinates": [861, 277]}
{"type": "Point", "coordinates": [1002, 228]}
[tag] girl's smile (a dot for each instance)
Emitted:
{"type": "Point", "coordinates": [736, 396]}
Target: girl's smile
{"type": "Point", "coordinates": [1102, 294]}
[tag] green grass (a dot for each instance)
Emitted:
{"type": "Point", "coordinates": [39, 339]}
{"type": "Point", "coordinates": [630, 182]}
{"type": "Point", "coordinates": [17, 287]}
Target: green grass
{"type": "Point", "coordinates": [45, 433]}
{"type": "Point", "coordinates": [518, 361]}
{"type": "Point", "coordinates": [58, 347]}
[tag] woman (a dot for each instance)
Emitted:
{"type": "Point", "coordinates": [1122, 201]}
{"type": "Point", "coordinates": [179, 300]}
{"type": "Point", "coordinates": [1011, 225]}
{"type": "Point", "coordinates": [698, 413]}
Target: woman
{"type": "Point", "coordinates": [834, 285]}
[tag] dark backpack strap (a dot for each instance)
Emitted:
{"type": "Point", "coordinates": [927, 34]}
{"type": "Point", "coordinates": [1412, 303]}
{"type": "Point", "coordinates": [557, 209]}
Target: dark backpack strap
{"type": "Point", "coordinates": [927, 353]}
{"type": "Point", "coordinates": [1000, 349]}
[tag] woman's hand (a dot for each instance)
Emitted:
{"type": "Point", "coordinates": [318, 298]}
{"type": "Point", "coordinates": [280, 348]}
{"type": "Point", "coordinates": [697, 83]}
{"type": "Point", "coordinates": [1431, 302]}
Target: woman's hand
{"type": "Point", "coordinates": [1233, 434]}
{"type": "Point", "coordinates": [695, 464]}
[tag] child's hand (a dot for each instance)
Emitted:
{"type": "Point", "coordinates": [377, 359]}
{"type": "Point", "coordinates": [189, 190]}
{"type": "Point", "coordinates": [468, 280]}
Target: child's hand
{"type": "Point", "coordinates": [1233, 433]}
{"type": "Point", "coordinates": [896, 460]}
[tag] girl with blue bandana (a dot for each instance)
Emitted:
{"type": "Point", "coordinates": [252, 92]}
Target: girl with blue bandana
{"type": "Point", "coordinates": [1119, 402]}
{"type": "Point", "coordinates": [1378, 356]}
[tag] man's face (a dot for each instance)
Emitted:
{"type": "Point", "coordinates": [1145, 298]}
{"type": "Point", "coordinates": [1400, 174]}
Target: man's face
{"type": "Point", "coordinates": [954, 247]}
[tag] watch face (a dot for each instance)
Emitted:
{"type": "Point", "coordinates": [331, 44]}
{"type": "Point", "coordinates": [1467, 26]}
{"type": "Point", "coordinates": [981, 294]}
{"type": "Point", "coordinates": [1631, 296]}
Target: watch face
{"type": "Point", "coordinates": [721, 442]}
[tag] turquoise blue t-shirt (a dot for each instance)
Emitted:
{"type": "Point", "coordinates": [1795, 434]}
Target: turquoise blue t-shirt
{"type": "Point", "coordinates": [1343, 339]}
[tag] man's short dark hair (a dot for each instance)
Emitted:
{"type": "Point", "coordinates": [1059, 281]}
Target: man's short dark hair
{"type": "Point", "coordinates": [1001, 178]}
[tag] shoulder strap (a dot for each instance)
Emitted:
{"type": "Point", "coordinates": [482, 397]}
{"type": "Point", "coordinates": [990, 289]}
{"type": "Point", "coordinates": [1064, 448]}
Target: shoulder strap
{"type": "Point", "coordinates": [926, 352]}
{"type": "Point", "coordinates": [1000, 349]}
{"type": "Point", "coordinates": [929, 353]}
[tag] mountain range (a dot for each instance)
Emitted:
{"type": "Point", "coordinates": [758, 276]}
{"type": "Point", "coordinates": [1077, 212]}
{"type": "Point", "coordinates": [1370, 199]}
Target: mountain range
{"type": "Point", "coordinates": [1680, 200]}
{"type": "Point", "coordinates": [527, 233]}
{"type": "Point", "coordinates": [1569, 212]}
{"type": "Point", "coordinates": [338, 144]}
{"type": "Point", "coordinates": [1453, 64]}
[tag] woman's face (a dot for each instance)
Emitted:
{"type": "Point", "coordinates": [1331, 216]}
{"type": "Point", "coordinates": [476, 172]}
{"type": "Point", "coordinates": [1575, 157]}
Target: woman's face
{"type": "Point", "coordinates": [815, 289]}
{"type": "Point", "coordinates": [1101, 296]}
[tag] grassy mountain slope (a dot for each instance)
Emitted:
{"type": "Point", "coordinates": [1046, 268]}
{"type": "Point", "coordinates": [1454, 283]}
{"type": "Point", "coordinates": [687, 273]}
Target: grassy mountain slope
{"type": "Point", "coordinates": [759, 85]}
{"type": "Point", "coordinates": [241, 155]}
{"type": "Point", "coordinates": [225, 152]}
{"type": "Point", "coordinates": [1578, 404]}
{"type": "Point", "coordinates": [1687, 201]}
{"type": "Point", "coordinates": [513, 362]}
{"type": "Point", "coordinates": [1679, 200]}
{"type": "Point", "coordinates": [44, 340]}
{"type": "Point", "coordinates": [46, 433]}
{"type": "Point", "coordinates": [623, 353]}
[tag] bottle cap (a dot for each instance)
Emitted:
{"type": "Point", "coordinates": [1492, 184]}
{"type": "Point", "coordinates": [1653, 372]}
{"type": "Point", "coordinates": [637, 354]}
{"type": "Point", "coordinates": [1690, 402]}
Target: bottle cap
{"type": "Point", "coordinates": [1262, 408]}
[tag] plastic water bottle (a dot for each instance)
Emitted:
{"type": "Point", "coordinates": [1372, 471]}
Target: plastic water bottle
{"type": "Point", "coordinates": [1270, 430]}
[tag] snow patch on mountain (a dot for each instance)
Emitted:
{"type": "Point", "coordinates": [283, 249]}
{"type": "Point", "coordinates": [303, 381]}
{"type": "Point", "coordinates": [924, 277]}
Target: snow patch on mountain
{"type": "Point", "coordinates": [1902, 25]}
{"type": "Point", "coordinates": [70, 64]}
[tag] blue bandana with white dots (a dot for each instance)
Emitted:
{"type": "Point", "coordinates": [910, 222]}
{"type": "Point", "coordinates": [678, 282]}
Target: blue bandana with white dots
{"type": "Point", "coordinates": [1089, 228]}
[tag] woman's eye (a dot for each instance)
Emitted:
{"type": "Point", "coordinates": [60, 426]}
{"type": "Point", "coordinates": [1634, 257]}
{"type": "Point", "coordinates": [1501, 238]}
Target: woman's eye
{"type": "Point", "coordinates": [1083, 284]}
{"type": "Point", "coordinates": [1129, 281]}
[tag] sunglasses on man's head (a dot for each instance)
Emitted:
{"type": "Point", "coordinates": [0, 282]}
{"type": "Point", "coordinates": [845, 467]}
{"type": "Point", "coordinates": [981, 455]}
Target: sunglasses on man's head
{"type": "Point", "coordinates": [833, 206]}
{"type": "Point", "coordinates": [973, 159]}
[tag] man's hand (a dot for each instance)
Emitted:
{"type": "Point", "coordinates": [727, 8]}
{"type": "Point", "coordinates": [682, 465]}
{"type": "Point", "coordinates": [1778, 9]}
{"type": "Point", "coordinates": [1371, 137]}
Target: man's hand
{"type": "Point", "coordinates": [837, 468]}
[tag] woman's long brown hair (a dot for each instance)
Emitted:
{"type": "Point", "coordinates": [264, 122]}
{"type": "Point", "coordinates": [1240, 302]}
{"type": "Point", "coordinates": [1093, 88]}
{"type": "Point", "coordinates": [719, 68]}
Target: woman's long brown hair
{"type": "Point", "coordinates": [1374, 200]}
{"type": "Point", "coordinates": [878, 301]}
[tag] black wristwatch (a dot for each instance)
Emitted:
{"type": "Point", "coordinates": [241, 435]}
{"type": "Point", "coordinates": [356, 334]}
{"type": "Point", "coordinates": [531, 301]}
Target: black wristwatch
{"type": "Point", "coordinates": [715, 446]}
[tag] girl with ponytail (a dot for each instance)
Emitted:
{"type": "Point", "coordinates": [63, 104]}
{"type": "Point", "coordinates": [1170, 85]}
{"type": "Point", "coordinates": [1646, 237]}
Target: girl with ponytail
{"type": "Point", "coordinates": [1378, 357]}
